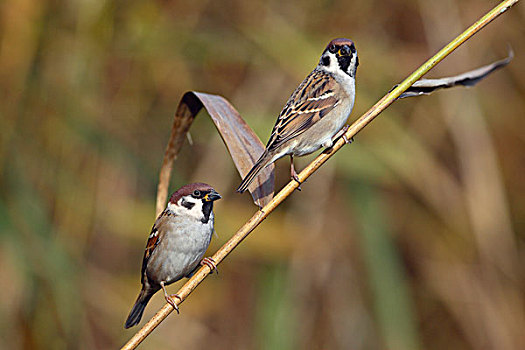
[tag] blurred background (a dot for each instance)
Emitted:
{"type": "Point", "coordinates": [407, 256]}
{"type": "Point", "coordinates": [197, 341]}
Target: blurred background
{"type": "Point", "coordinates": [410, 238]}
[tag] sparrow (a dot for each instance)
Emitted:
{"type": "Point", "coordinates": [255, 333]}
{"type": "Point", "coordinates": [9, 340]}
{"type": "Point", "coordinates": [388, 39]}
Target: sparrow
{"type": "Point", "coordinates": [177, 242]}
{"type": "Point", "coordinates": [316, 112]}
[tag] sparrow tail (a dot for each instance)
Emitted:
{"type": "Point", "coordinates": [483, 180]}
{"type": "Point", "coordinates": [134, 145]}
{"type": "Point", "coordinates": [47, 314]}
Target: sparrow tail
{"type": "Point", "coordinates": [263, 161]}
{"type": "Point", "coordinates": [138, 309]}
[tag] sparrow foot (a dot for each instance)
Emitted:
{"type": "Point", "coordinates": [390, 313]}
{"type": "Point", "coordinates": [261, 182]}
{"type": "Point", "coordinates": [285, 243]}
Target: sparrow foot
{"type": "Point", "coordinates": [169, 298]}
{"type": "Point", "coordinates": [342, 133]}
{"type": "Point", "coordinates": [296, 179]}
{"type": "Point", "coordinates": [210, 263]}
{"type": "Point", "coordinates": [347, 141]}
{"type": "Point", "coordinates": [293, 173]}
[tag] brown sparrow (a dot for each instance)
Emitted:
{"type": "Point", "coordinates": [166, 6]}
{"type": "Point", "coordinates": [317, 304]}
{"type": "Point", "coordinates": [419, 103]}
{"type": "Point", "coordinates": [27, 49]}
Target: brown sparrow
{"type": "Point", "coordinates": [180, 236]}
{"type": "Point", "coordinates": [316, 111]}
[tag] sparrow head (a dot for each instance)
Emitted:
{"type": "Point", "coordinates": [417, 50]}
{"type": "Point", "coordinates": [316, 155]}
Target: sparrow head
{"type": "Point", "coordinates": [195, 200]}
{"type": "Point", "coordinates": [340, 55]}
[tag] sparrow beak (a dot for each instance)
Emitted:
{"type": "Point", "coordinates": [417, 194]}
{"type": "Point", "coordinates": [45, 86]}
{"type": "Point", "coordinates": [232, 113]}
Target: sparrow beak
{"type": "Point", "coordinates": [212, 196]}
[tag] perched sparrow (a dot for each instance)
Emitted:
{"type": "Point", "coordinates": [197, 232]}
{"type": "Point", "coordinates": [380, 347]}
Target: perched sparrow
{"type": "Point", "coordinates": [316, 111]}
{"type": "Point", "coordinates": [180, 236]}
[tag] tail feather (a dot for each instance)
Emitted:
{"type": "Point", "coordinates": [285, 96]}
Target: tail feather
{"type": "Point", "coordinates": [263, 161]}
{"type": "Point", "coordinates": [138, 309]}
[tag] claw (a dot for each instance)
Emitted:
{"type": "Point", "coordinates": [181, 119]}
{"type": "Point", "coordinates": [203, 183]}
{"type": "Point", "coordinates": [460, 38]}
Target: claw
{"type": "Point", "coordinates": [296, 178]}
{"type": "Point", "coordinates": [347, 141]}
{"type": "Point", "coordinates": [169, 298]}
{"type": "Point", "coordinates": [342, 133]}
{"type": "Point", "coordinates": [170, 301]}
{"type": "Point", "coordinates": [210, 263]}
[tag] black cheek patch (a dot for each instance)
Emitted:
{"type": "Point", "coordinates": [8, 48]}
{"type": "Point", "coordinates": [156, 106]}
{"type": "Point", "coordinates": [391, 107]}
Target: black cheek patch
{"type": "Point", "coordinates": [325, 61]}
{"type": "Point", "coordinates": [187, 204]}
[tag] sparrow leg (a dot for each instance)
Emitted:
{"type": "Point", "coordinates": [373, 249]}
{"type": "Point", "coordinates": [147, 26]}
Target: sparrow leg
{"type": "Point", "coordinates": [169, 298]}
{"type": "Point", "coordinates": [293, 173]}
{"type": "Point", "coordinates": [210, 263]}
{"type": "Point", "coordinates": [342, 133]}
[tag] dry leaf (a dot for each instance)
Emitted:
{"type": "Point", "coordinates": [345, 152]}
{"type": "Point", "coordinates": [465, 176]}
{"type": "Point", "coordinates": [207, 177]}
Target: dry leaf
{"type": "Point", "coordinates": [242, 143]}
{"type": "Point", "coordinates": [470, 78]}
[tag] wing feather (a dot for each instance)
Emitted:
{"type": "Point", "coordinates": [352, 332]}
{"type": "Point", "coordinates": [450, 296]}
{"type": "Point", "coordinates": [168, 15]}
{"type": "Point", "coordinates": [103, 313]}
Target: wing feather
{"type": "Point", "coordinates": [312, 100]}
{"type": "Point", "coordinates": [154, 239]}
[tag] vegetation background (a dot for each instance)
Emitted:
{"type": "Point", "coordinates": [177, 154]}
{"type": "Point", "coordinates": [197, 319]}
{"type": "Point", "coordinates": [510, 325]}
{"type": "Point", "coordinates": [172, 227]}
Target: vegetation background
{"type": "Point", "coordinates": [410, 238]}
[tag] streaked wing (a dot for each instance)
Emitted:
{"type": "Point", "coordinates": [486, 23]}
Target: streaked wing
{"type": "Point", "coordinates": [313, 99]}
{"type": "Point", "coordinates": [154, 239]}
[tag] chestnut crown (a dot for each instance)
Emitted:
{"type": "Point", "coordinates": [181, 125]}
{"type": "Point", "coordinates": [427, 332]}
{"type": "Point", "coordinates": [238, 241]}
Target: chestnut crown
{"type": "Point", "coordinates": [197, 190]}
{"type": "Point", "coordinates": [341, 47]}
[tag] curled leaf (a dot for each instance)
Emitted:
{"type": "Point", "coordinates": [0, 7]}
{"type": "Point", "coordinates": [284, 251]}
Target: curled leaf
{"type": "Point", "coordinates": [242, 143]}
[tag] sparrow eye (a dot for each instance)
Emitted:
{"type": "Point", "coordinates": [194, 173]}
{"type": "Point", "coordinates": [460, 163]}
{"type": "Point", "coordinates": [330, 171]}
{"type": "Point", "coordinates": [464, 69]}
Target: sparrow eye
{"type": "Point", "coordinates": [196, 193]}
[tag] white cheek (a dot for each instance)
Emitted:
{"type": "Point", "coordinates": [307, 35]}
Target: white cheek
{"type": "Point", "coordinates": [352, 67]}
{"type": "Point", "coordinates": [347, 82]}
{"type": "Point", "coordinates": [334, 65]}
{"type": "Point", "coordinates": [195, 211]}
